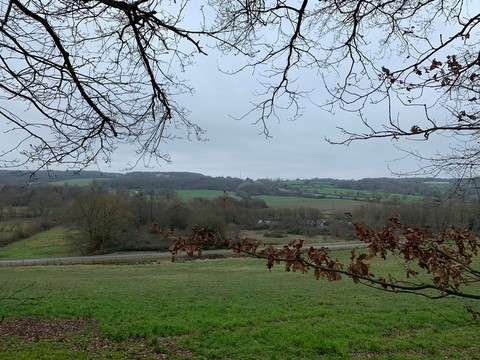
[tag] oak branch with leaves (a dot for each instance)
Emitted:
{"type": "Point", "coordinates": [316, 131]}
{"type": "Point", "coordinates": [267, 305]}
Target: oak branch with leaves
{"type": "Point", "coordinates": [432, 265]}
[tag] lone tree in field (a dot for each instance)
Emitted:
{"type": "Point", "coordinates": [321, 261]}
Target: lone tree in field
{"type": "Point", "coordinates": [98, 73]}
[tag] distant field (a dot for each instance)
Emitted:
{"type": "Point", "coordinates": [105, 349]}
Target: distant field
{"type": "Point", "coordinates": [78, 182]}
{"type": "Point", "coordinates": [367, 194]}
{"type": "Point", "coordinates": [324, 188]}
{"type": "Point", "coordinates": [321, 204]}
{"type": "Point", "coordinates": [440, 185]}
{"type": "Point", "coordinates": [307, 187]}
{"type": "Point", "coordinates": [226, 309]}
{"type": "Point", "coordinates": [273, 201]}
{"type": "Point", "coordinates": [296, 199]}
{"type": "Point", "coordinates": [279, 201]}
{"type": "Point", "coordinates": [207, 194]}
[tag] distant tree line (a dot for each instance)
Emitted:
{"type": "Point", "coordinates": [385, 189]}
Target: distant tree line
{"type": "Point", "coordinates": [103, 219]}
{"type": "Point", "coordinates": [245, 188]}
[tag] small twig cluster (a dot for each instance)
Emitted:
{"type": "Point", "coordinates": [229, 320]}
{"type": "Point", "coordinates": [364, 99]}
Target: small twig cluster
{"type": "Point", "coordinates": [15, 295]}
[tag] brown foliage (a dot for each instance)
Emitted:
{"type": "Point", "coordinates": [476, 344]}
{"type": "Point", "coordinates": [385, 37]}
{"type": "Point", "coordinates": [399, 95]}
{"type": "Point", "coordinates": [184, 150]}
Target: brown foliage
{"type": "Point", "coordinates": [441, 262]}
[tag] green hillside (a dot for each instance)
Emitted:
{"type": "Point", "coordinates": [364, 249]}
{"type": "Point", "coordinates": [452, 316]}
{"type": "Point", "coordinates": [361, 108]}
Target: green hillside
{"type": "Point", "coordinates": [47, 244]}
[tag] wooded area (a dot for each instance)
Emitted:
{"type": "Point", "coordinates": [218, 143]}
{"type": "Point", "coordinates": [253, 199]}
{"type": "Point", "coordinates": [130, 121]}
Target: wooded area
{"type": "Point", "coordinates": [129, 211]}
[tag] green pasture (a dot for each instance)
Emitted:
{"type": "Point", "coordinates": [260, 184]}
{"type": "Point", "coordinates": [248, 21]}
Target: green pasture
{"type": "Point", "coordinates": [324, 188]}
{"type": "Point", "coordinates": [310, 183]}
{"type": "Point", "coordinates": [439, 185]}
{"type": "Point", "coordinates": [47, 244]}
{"type": "Point", "coordinates": [232, 309]}
{"type": "Point", "coordinates": [186, 195]}
{"type": "Point", "coordinates": [365, 194]}
{"type": "Point", "coordinates": [436, 182]}
{"type": "Point", "coordinates": [272, 199]}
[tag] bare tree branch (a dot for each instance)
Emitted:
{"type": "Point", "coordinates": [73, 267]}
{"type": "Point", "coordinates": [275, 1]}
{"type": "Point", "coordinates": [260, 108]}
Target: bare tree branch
{"type": "Point", "coordinates": [431, 265]}
{"type": "Point", "coordinates": [101, 73]}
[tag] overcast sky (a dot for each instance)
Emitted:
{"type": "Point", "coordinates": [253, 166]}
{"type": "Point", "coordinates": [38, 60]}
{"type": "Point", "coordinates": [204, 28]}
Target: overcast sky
{"type": "Point", "coordinates": [295, 149]}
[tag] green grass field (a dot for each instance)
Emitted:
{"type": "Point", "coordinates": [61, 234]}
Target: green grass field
{"type": "Point", "coordinates": [186, 195]}
{"type": "Point", "coordinates": [270, 199]}
{"type": "Point", "coordinates": [324, 188]}
{"type": "Point", "coordinates": [47, 244]}
{"type": "Point", "coordinates": [231, 309]}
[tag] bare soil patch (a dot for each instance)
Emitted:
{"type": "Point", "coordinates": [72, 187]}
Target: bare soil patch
{"type": "Point", "coordinates": [82, 336]}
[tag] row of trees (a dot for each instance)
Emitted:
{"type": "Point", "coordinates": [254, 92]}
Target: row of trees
{"type": "Point", "coordinates": [103, 219]}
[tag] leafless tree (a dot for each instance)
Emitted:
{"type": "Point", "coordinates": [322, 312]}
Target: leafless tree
{"type": "Point", "coordinates": [416, 62]}
{"type": "Point", "coordinates": [99, 73]}
{"type": "Point", "coordinates": [96, 74]}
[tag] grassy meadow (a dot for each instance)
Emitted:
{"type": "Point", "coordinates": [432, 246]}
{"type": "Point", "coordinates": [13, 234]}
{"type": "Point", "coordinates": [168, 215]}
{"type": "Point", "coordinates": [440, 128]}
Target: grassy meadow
{"type": "Point", "coordinates": [326, 204]}
{"type": "Point", "coordinates": [325, 188]}
{"type": "Point", "coordinates": [216, 308]}
{"type": "Point", "coordinates": [229, 309]}
{"type": "Point", "coordinates": [186, 195]}
{"type": "Point", "coordinates": [286, 200]}
{"type": "Point", "coordinates": [276, 201]}
{"type": "Point", "coordinates": [46, 244]}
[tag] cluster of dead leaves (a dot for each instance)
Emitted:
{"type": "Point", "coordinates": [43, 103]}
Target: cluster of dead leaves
{"type": "Point", "coordinates": [443, 262]}
{"type": "Point", "coordinates": [446, 258]}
